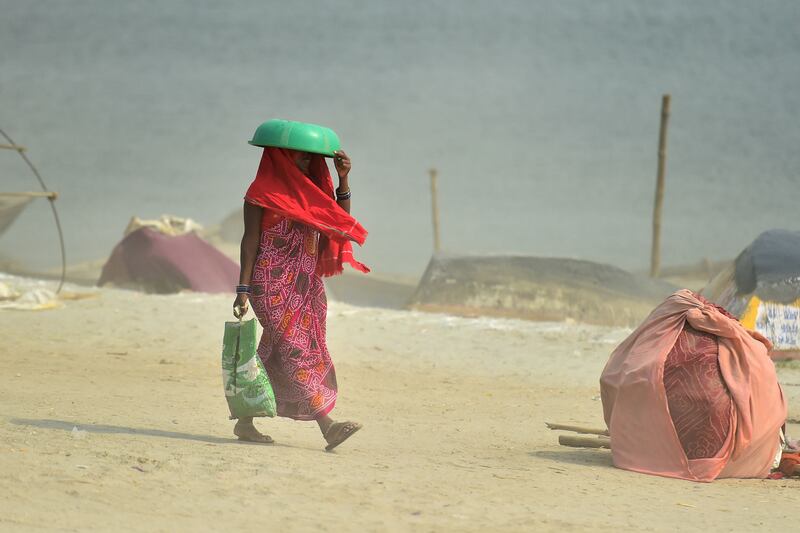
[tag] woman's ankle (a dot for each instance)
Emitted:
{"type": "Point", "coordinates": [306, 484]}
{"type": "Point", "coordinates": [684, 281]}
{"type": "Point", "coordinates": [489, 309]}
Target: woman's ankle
{"type": "Point", "coordinates": [324, 422]}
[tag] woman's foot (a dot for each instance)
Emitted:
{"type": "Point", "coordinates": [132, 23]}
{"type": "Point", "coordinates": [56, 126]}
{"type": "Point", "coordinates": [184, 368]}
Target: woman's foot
{"type": "Point", "coordinates": [247, 431]}
{"type": "Point", "coordinates": [338, 432]}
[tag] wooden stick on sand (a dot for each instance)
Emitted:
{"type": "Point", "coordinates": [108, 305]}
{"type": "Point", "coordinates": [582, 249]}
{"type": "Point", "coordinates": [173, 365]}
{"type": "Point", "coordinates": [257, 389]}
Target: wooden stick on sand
{"type": "Point", "coordinates": [584, 442]}
{"type": "Point", "coordinates": [578, 429]}
{"type": "Point", "coordinates": [600, 439]}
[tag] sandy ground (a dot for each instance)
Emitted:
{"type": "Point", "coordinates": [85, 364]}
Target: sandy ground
{"type": "Point", "coordinates": [454, 437]}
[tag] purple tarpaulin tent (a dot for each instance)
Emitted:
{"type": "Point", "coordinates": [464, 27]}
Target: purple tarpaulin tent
{"type": "Point", "coordinates": [152, 261]}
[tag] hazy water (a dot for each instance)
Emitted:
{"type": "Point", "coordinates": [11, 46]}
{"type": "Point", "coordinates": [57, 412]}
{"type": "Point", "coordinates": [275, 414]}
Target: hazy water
{"type": "Point", "coordinates": [542, 118]}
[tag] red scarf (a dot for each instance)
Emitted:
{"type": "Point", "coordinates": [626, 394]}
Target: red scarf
{"type": "Point", "coordinates": [283, 189]}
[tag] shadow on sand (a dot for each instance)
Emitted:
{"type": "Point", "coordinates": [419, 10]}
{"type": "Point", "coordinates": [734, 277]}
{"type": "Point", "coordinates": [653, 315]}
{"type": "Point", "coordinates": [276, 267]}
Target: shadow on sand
{"type": "Point", "coordinates": [64, 425]}
{"type": "Point", "coordinates": [586, 457]}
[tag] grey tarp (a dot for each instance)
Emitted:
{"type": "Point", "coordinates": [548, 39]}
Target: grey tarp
{"type": "Point", "coordinates": [11, 206]}
{"type": "Point", "coordinates": [770, 266]}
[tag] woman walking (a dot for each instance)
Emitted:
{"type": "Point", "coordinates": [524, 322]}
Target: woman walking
{"type": "Point", "coordinates": [296, 230]}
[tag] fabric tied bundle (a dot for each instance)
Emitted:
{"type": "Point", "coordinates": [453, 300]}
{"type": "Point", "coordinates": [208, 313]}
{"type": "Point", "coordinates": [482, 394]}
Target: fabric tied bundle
{"type": "Point", "coordinates": [636, 399]}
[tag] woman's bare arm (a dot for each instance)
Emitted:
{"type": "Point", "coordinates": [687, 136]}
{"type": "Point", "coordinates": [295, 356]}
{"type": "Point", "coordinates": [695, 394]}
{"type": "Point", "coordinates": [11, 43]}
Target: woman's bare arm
{"type": "Point", "coordinates": [250, 242]}
{"type": "Point", "coordinates": [343, 165]}
{"type": "Point", "coordinates": [344, 185]}
{"type": "Point", "coordinates": [248, 254]}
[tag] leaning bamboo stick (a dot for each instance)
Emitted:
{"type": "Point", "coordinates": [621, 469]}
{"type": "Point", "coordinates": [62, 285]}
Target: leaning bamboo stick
{"type": "Point", "coordinates": [578, 429]}
{"type": "Point", "coordinates": [655, 254]}
{"type": "Point", "coordinates": [437, 238]}
{"type": "Point", "coordinates": [16, 147]}
{"type": "Point", "coordinates": [584, 442]}
{"type": "Point", "coordinates": [43, 194]}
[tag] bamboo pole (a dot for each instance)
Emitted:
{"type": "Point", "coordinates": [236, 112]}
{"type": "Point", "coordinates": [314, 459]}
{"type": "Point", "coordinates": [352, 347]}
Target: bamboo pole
{"type": "Point", "coordinates": [44, 194]}
{"type": "Point", "coordinates": [584, 442]}
{"type": "Point", "coordinates": [578, 429]}
{"type": "Point", "coordinates": [16, 147]}
{"type": "Point", "coordinates": [56, 218]}
{"type": "Point", "coordinates": [437, 243]}
{"type": "Point", "coordinates": [655, 255]}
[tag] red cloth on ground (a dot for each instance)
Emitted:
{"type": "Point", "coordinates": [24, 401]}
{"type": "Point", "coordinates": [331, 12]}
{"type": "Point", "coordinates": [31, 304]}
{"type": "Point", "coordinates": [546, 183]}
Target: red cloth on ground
{"type": "Point", "coordinates": [789, 463]}
{"type": "Point", "coordinates": [636, 407]}
{"type": "Point", "coordinates": [282, 188]}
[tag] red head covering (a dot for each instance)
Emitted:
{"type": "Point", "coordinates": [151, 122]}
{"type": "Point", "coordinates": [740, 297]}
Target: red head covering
{"type": "Point", "coordinates": [283, 189]}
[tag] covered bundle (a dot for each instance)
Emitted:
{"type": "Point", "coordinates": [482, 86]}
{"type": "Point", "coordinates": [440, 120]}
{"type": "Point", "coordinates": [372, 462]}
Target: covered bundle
{"type": "Point", "coordinates": [692, 394]}
{"type": "Point", "coordinates": [762, 289]}
{"type": "Point", "coordinates": [149, 260]}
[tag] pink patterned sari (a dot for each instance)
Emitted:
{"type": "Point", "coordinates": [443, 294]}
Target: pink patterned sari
{"type": "Point", "coordinates": [289, 300]}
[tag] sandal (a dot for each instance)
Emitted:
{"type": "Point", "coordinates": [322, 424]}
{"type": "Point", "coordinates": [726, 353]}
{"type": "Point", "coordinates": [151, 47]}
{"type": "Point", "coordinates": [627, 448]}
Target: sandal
{"type": "Point", "coordinates": [249, 433]}
{"type": "Point", "coordinates": [340, 432]}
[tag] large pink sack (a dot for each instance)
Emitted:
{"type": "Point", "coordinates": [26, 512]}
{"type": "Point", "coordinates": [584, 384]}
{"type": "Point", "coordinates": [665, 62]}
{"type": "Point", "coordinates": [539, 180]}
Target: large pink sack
{"type": "Point", "coordinates": [643, 437]}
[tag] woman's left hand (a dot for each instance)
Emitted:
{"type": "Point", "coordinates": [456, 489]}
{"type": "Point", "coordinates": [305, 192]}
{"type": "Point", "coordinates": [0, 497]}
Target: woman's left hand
{"type": "Point", "coordinates": [240, 305]}
{"type": "Point", "coordinates": [342, 163]}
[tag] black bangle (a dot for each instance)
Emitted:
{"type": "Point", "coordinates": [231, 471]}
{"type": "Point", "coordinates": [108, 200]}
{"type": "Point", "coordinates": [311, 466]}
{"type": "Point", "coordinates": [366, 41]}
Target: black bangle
{"type": "Point", "coordinates": [343, 196]}
{"type": "Point", "coordinates": [243, 289]}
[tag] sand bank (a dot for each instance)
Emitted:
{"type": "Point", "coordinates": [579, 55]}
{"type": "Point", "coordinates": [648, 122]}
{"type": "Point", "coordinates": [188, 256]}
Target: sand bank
{"type": "Point", "coordinates": [454, 436]}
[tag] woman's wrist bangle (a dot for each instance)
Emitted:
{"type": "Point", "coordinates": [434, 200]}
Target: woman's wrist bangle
{"type": "Point", "coordinates": [243, 289]}
{"type": "Point", "coordinates": [343, 195]}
